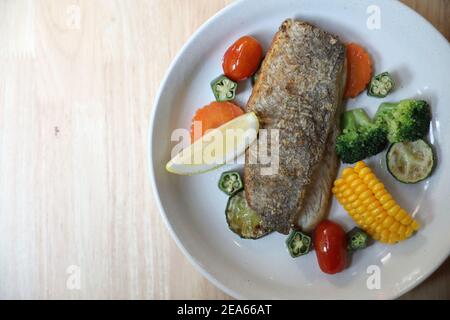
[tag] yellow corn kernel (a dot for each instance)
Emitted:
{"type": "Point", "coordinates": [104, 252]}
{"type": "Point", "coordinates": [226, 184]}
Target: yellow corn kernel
{"type": "Point", "coordinates": [379, 229]}
{"type": "Point", "coordinates": [352, 198]}
{"type": "Point", "coordinates": [394, 210]}
{"type": "Point", "coordinates": [347, 172]}
{"type": "Point", "coordinates": [351, 178]}
{"type": "Point", "coordinates": [359, 165]}
{"type": "Point", "coordinates": [365, 195]}
{"type": "Point", "coordinates": [409, 231]}
{"type": "Point", "coordinates": [384, 199]}
{"type": "Point", "coordinates": [380, 193]}
{"type": "Point", "coordinates": [369, 219]}
{"type": "Point", "coordinates": [406, 220]}
{"type": "Point", "coordinates": [393, 238]}
{"type": "Point", "coordinates": [339, 182]}
{"type": "Point", "coordinates": [388, 221]}
{"type": "Point", "coordinates": [368, 201]}
{"type": "Point", "coordinates": [377, 211]}
{"type": "Point", "coordinates": [394, 226]}
{"type": "Point", "coordinates": [360, 188]}
{"type": "Point", "coordinates": [354, 184]}
{"type": "Point", "coordinates": [364, 171]}
{"type": "Point", "coordinates": [372, 183]}
{"type": "Point", "coordinates": [347, 192]}
{"type": "Point", "coordinates": [401, 231]}
{"type": "Point", "coordinates": [355, 204]}
{"type": "Point", "coordinates": [361, 209]}
{"type": "Point", "coordinates": [377, 187]}
{"type": "Point", "coordinates": [375, 223]}
{"type": "Point", "coordinates": [373, 205]}
{"type": "Point", "coordinates": [389, 204]}
{"type": "Point", "coordinates": [368, 177]}
{"type": "Point", "coordinates": [400, 215]}
{"type": "Point", "coordinates": [415, 225]}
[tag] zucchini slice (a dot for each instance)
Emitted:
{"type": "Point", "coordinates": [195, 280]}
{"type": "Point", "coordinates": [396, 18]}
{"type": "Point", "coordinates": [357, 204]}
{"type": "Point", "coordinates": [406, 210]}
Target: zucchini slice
{"type": "Point", "coordinates": [410, 162]}
{"type": "Point", "coordinates": [242, 219]}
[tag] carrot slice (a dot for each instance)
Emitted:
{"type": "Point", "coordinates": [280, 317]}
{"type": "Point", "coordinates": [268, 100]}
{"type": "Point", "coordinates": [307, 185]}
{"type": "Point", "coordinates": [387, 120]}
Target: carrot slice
{"type": "Point", "coordinates": [213, 116]}
{"type": "Point", "coordinates": [359, 70]}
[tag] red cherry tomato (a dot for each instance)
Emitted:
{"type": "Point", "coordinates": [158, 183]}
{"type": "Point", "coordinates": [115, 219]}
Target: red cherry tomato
{"type": "Point", "coordinates": [242, 59]}
{"type": "Point", "coordinates": [330, 244]}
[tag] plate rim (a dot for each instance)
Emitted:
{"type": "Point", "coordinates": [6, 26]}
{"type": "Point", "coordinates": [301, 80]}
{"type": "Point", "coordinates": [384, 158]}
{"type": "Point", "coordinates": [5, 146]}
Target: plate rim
{"type": "Point", "coordinates": [151, 170]}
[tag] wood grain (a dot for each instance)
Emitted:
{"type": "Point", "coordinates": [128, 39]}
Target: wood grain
{"type": "Point", "coordinates": [77, 85]}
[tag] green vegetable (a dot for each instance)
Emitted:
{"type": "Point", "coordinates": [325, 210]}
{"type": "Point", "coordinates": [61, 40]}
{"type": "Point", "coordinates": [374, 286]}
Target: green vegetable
{"type": "Point", "coordinates": [357, 239]}
{"type": "Point", "coordinates": [381, 85]}
{"type": "Point", "coordinates": [408, 120]}
{"type": "Point", "coordinates": [298, 244]}
{"type": "Point", "coordinates": [360, 137]}
{"type": "Point", "coordinates": [410, 162]}
{"type": "Point", "coordinates": [242, 219]}
{"type": "Point", "coordinates": [223, 88]}
{"type": "Point", "coordinates": [230, 182]}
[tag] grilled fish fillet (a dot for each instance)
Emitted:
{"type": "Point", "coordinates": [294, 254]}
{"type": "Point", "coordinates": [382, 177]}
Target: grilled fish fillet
{"type": "Point", "coordinates": [317, 198]}
{"type": "Point", "coordinates": [318, 194]}
{"type": "Point", "coordinates": [298, 92]}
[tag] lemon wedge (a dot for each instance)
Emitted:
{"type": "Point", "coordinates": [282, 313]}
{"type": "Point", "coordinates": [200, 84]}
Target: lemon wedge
{"type": "Point", "coordinates": [217, 147]}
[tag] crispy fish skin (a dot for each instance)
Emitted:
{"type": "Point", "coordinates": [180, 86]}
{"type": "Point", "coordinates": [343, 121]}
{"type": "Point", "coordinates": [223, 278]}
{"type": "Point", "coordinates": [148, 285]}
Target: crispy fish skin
{"type": "Point", "coordinates": [298, 91]}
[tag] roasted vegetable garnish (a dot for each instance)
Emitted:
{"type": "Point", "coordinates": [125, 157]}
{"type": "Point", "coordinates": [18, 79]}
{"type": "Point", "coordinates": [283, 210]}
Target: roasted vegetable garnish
{"type": "Point", "coordinates": [410, 162]}
{"type": "Point", "coordinates": [213, 116]}
{"type": "Point", "coordinates": [371, 206]}
{"type": "Point", "coordinates": [360, 138]}
{"type": "Point", "coordinates": [359, 70]}
{"type": "Point", "coordinates": [223, 88]}
{"type": "Point", "coordinates": [298, 244]}
{"type": "Point", "coordinates": [381, 85]}
{"type": "Point", "coordinates": [408, 120]}
{"type": "Point", "coordinates": [230, 182]}
{"type": "Point", "coordinates": [242, 219]}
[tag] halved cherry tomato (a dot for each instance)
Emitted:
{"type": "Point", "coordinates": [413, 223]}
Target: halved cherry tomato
{"type": "Point", "coordinates": [330, 244]}
{"type": "Point", "coordinates": [242, 59]}
{"type": "Point", "coordinates": [213, 116]}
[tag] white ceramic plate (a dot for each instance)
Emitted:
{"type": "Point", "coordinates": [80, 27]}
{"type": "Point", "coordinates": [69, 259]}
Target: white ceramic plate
{"type": "Point", "coordinates": [193, 207]}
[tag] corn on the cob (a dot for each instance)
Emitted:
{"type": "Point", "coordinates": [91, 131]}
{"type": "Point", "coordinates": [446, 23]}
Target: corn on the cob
{"type": "Point", "coordinates": [371, 206]}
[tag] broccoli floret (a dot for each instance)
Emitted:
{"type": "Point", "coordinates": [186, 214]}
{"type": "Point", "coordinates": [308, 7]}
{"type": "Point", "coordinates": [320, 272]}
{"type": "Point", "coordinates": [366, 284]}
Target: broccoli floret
{"type": "Point", "coordinates": [360, 138]}
{"type": "Point", "coordinates": [408, 120]}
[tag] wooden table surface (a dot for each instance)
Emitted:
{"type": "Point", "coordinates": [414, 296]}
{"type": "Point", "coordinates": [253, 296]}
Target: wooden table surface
{"type": "Point", "coordinates": [77, 214]}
